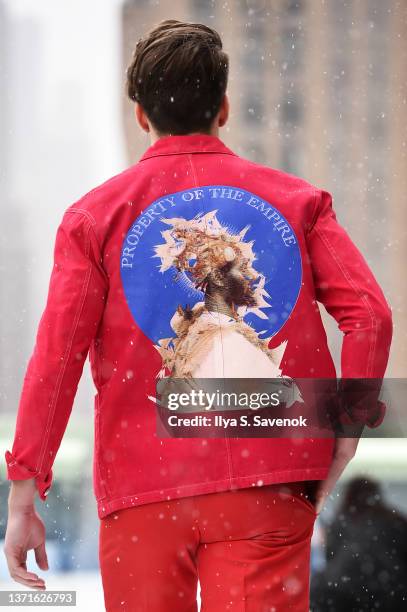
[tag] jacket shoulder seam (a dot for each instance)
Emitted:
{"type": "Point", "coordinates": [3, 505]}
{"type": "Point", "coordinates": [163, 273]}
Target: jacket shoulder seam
{"type": "Point", "coordinates": [293, 177]}
{"type": "Point", "coordinates": [83, 212]}
{"type": "Point", "coordinates": [314, 212]}
{"type": "Point", "coordinates": [91, 220]}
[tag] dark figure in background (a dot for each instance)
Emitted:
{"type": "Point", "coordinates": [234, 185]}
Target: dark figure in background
{"type": "Point", "coordinates": [366, 548]}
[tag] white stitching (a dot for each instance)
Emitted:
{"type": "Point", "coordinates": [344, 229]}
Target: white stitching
{"type": "Point", "coordinates": [314, 214]}
{"type": "Point", "coordinates": [358, 292]}
{"type": "Point", "coordinates": [249, 478]}
{"type": "Point", "coordinates": [84, 212]}
{"type": "Point", "coordinates": [66, 359]}
{"type": "Point", "coordinates": [193, 170]}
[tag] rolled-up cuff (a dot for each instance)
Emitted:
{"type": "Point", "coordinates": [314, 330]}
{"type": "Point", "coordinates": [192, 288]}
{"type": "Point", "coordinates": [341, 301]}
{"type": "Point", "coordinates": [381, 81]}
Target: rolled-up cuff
{"type": "Point", "coordinates": [376, 418]}
{"type": "Point", "coordinates": [358, 402]}
{"type": "Point", "coordinates": [373, 419]}
{"type": "Point", "coordinates": [18, 471]}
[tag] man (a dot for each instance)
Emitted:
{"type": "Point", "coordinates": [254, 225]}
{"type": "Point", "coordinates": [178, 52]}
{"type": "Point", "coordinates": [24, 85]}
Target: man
{"type": "Point", "coordinates": [232, 511]}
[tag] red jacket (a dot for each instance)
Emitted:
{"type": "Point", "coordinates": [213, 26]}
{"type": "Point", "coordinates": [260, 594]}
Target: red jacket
{"type": "Point", "coordinates": [114, 291]}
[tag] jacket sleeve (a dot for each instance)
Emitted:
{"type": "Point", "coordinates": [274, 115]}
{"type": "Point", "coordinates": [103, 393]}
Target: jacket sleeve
{"type": "Point", "coordinates": [347, 288]}
{"type": "Point", "coordinates": [73, 310]}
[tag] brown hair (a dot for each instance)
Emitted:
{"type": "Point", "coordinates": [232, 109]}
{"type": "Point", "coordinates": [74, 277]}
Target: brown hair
{"type": "Point", "coordinates": [179, 76]}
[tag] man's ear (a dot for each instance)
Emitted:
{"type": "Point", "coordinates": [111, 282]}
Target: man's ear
{"type": "Point", "coordinates": [141, 117]}
{"type": "Point", "coordinates": [224, 111]}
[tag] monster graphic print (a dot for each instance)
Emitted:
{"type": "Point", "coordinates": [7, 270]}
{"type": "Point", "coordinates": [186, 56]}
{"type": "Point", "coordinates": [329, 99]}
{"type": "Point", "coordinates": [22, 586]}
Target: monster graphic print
{"type": "Point", "coordinates": [224, 271]}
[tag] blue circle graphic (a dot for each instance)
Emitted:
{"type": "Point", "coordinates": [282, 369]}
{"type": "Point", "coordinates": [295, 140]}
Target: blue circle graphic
{"type": "Point", "coordinates": [153, 296]}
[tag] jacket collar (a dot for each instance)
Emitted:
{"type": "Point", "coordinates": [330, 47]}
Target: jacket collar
{"type": "Point", "coordinates": [187, 143]}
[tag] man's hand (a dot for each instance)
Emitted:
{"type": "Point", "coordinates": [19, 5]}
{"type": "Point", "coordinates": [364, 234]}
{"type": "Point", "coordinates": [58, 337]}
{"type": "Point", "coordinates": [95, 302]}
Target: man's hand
{"type": "Point", "coordinates": [345, 449]}
{"type": "Point", "coordinates": [25, 530]}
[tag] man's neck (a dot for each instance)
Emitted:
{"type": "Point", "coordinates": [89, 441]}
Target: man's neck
{"type": "Point", "coordinates": [154, 136]}
{"type": "Point", "coordinates": [215, 303]}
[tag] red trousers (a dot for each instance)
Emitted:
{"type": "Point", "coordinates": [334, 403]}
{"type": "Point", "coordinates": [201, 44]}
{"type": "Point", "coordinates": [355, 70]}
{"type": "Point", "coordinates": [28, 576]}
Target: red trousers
{"type": "Point", "coordinates": [249, 548]}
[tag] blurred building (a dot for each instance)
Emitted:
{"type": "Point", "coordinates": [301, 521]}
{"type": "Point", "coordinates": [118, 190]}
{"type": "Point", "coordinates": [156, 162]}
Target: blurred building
{"type": "Point", "coordinates": [318, 89]}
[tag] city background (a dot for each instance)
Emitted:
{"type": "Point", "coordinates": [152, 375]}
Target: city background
{"type": "Point", "coordinates": [317, 88]}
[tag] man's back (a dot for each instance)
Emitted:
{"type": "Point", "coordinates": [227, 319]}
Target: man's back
{"type": "Point", "coordinates": [147, 266]}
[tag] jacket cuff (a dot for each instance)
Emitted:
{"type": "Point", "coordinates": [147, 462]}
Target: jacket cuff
{"type": "Point", "coordinates": [373, 419]}
{"type": "Point", "coordinates": [358, 402]}
{"type": "Point", "coordinates": [18, 471]}
{"type": "Point", "coordinates": [376, 418]}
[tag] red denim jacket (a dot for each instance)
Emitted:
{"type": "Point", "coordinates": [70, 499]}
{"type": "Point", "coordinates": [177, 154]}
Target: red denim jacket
{"type": "Point", "coordinates": [113, 294]}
